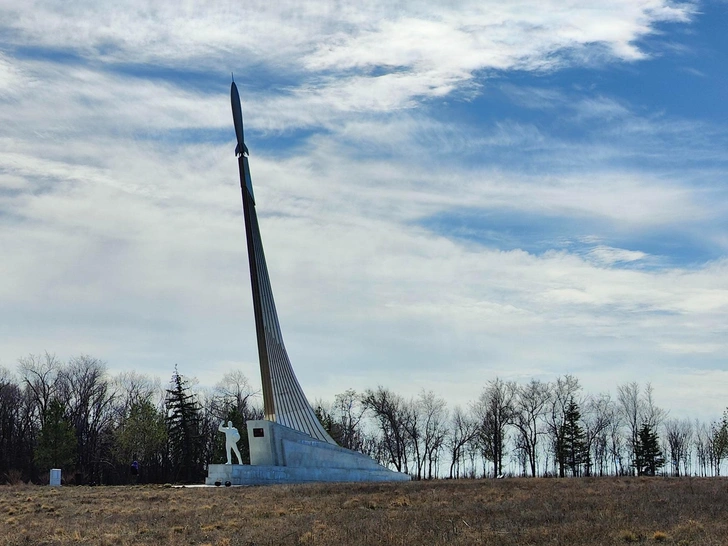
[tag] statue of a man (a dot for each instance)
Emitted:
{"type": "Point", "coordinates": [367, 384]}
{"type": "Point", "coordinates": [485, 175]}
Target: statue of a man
{"type": "Point", "coordinates": [232, 437]}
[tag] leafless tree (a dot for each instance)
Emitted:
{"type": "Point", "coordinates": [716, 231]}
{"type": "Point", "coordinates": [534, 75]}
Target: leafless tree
{"type": "Point", "coordinates": [678, 434]}
{"type": "Point", "coordinates": [348, 412]}
{"type": "Point", "coordinates": [703, 442]}
{"type": "Point", "coordinates": [463, 430]}
{"type": "Point", "coordinates": [616, 444]}
{"type": "Point", "coordinates": [235, 392]}
{"type": "Point", "coordinates": [563, 391]}
{"type": "Point", "coordinates": [631, 410]}
{"type": "Point", "coordinates": [653, 415]}
{"type": "Point", "coordinates": [413, 430]}
{"type": "Point", "coordinates": [433, 416]}
{"type": "Point", "coordinates": [494, 411]}
{"type": "Point", "coordinates": [638, 409]}
{"type": "Point", "coordinates": [16, 433]}
{"type": "Point", "coordinates": [598, 413]}
{"type": "Point", "coordinates": [530, 406]}
{"type": "Point", "coordinates": [39, 373]}
{"type": "Point", "coordinates": [711, 447]}
{"type": "Point", "coordinates": [132, 388]}
{"type": "Point", "coordinates": [85, 390]}
{"type": "Point", "coordinates": [392, 415]}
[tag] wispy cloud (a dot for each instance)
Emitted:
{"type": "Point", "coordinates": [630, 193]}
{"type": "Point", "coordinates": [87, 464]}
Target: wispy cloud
{"type": "Point", "coordinates": [425, 48]}
{"type": "Point", "coordinates": [609, 256]}
{"type": "Point", "coordinates": [121, 219]}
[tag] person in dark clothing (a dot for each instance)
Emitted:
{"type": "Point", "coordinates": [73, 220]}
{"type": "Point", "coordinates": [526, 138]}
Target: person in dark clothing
{"type": "Point", "coordinates": [134, 469]}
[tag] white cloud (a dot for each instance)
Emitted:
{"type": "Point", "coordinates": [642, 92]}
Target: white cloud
{"type": "Point", "coordinates": [601, 108]}
{"type": "Point", "coordinates": [130, 246]}
{"type": "Point", "coordinates": [9, 76]}
{"type": "Point", "coordinates": [433, 47]}
{"type": "Point", "coordinates": [170, 244]}
{"type": "Point", "coordinates": [608, 256]}
{"type": "Point", "coordinates": [52, 101]}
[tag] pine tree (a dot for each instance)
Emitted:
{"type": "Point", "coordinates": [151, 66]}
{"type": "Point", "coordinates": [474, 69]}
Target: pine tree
{"type": "Point", "coordinates": [572, 440]}
{"type": "Point", "coordinates": [57, 441]}
{"type": "Point", "coordinates": [720, 442]}
{"type": "Point", "coordinates": [648, 457]}
{"type": "Point", "coordinates": [330, 425]}
{"type": "Point", "coordinates": [183, 430]}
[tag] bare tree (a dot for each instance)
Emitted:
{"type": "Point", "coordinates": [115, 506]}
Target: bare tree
{"type": "Point", "coordinates": [564, 391]}
{"type": "Point", "coordinates": [703, 441]}
{"type": "Point", "coordinates": [494, 411]}
{"type": "Point", "coordinates": [85, 390]}
{"type": "Point", "coordinates": [600, 451]}
{"type": "Point", "coordinates": [16, 437]}
{"type": "Point", "coordinates": [638, 409]}
{"type": "Point", "coordinates": [392, 415]}
{"type": "Point", "coordinates": [39, 373]}
{"type": "Point", "coordinates": [678, 435]}
{"type": "Point", "coordinates": [653, 415]}
{"type": "Point", "coordinates": [424, 428]}
{"type": "Point", "coordinates": [530, 406]}
{"type": "Point", "coordinates": [132, 388]}
{"type": "Point", "coordinates": [597, 415]}
{"type": "Point", "coordinates": [519, 455]}
{"type": "Point", "coordinates": [463, 430]}
{"type": "Point", "coordinates": [433, 415]}
{"type": "Point", "coordinates": [236, 394]}
{"type": "Point", "coordinates": [413, 429]}
{"type": "Point", "coordinates": [617, 444]}
{"type": "Point", "coordinates": [348, 411]}
{"type": "Point", "coordinates": [631, 410]}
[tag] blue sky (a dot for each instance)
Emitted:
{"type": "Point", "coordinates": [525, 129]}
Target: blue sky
{"type": "Point", "coordinates": [447, 192]}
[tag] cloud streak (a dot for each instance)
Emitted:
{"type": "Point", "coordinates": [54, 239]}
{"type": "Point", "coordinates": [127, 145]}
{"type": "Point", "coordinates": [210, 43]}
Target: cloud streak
{"type": "Point", "coordinates": [412, 228]}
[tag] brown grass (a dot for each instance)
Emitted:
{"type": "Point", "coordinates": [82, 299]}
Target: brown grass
{"type": "Point", "coordinates": [497, 512]}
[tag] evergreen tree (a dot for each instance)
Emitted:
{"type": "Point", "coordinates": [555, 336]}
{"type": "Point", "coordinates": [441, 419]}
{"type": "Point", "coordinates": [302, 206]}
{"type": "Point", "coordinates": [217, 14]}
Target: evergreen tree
{"type": "Point", "coordinates": [572, 440]}
{"type": "Point", "coordinates": [183, 431]}
{"type": "Point", "coordinates": [330, 425]}
{"type": "Point", "coordinates": [142, 436]}
{"type": "Point", "coordinates": [648, 457]}
{"type": "Point", "coordinates": [719, 432]}
{"type": "Point", "coordinates": [57, 439]}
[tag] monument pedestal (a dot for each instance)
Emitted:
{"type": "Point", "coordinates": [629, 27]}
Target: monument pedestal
{"type": "Point", "coordinates": [280, 454]}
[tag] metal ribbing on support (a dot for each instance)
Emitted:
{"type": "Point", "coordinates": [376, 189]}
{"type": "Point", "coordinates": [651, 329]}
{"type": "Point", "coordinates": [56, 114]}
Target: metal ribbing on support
{"type": "Point", "coordinates": [283, 399]}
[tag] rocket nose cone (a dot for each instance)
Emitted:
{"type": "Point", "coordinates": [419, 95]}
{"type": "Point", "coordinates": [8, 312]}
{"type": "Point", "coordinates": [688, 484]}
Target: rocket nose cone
{"type": "Point", "coordinates": [237, 115]}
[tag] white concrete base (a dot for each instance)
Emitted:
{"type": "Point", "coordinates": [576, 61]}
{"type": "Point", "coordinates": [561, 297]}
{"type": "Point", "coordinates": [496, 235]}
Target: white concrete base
{"type": "Point", "coordinates": [280, 454]}
{"type": "Point", "coordinates": [238, 474]}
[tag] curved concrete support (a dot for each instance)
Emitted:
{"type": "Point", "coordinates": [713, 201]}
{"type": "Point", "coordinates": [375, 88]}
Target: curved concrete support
{"type": "Point", "coordinates": [283, 399]}
{"type": "Point", "coordinates": [290, 445]}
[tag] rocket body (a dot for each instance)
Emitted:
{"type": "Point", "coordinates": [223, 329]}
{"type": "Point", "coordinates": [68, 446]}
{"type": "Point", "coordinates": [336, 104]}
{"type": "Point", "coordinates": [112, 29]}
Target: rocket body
{"type": "Point", "coordinates": [241, 148]}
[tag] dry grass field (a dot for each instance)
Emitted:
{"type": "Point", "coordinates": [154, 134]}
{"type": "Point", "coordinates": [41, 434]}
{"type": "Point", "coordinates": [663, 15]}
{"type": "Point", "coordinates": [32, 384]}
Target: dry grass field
{"type": "Point", "coordinates": [499, 512]}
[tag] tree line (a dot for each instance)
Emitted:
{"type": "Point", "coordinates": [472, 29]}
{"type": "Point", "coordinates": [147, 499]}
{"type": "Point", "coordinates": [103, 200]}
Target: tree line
{"type": "Point", "coordinates": [75, 416]}
{"type": "Point", "coordinates": [534, 429]}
